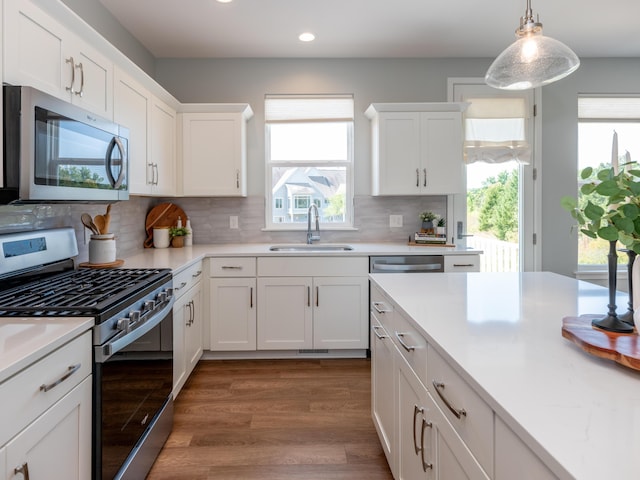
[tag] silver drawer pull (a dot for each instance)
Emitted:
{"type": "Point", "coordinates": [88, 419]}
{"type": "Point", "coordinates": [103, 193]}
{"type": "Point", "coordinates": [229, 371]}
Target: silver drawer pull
{"type": "Point", "coordinates": [375, 330]}
{"type": "Point", "coordinates": [377, 307]}
{"type": "Point", "coordinates": [70, 371]}
{"type": "Point", "coordinates": [463, 265]}
{"type": "Point", "coordinates": [439, 386]}
{"type": "Point", "coordinates": [197, 274]}
{"type": "Point", "coordinates": [231, 267]}
{"type": "Point", "coordinates": [182, 285]}
{"type": "Point", "coordinates": [425, 466]}
{"type": "Point", "coordinates": [408, 348]}
{"type": "Point", "coordinates": [23, 469]}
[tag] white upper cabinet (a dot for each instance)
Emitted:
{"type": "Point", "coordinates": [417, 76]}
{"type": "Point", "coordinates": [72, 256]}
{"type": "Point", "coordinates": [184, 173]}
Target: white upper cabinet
{"type": "Point", "coordinates": [416, 148]}
{"type": "Point", "coordinates": [214, 151]}
{"type": "Point", "coordinates": [163, 148]}
{"type": "Point", "coordinates": [42, 53]}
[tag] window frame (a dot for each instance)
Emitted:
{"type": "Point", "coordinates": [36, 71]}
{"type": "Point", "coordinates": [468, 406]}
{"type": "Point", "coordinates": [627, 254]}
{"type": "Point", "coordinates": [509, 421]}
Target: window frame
{"type": "Point", "coordinates": [348, 165]}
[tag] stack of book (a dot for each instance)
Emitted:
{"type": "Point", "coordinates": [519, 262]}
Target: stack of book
{"type": "Point", "coordinates": [429, 238]}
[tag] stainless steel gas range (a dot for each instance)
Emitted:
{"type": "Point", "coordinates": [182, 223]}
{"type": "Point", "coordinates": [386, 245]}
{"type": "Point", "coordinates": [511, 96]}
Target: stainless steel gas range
{"type": "Point", "coordinates": [132, 340]}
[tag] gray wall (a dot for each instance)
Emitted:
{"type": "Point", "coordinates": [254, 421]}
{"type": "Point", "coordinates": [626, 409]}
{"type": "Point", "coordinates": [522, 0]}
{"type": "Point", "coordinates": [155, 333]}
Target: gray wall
{"type": "Point", "coordinates": [96, 15]}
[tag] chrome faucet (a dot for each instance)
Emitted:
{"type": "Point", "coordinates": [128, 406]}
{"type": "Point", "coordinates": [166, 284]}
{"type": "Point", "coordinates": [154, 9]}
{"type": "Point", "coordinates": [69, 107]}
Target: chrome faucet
{"type": "Point", "coordinates": [310, 237]}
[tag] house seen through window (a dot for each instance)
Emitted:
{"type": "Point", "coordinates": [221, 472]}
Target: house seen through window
{"type": "Point", "coordinates": [598, 119]}
{"type": "Point", "coordinates": [309, 160]}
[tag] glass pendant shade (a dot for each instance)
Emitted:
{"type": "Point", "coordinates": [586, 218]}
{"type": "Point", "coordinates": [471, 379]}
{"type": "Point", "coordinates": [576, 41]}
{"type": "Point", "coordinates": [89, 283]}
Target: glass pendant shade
{"type": "Point", "coordinates": [533, 60]}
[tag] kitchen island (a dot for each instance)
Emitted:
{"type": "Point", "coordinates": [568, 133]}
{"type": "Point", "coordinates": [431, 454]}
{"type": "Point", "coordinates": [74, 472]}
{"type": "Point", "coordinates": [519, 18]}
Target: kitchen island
{"type": "Point", "coordinates": [578, 415]}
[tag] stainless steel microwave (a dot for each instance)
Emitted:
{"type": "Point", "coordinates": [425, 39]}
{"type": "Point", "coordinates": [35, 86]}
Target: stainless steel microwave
{"type": "Point", "coordinates": [57, 152]}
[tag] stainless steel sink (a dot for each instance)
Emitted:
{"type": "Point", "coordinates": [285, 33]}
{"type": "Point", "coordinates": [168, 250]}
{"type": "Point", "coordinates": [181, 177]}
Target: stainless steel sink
{"type": "Point", "coordinates": [303, 247]}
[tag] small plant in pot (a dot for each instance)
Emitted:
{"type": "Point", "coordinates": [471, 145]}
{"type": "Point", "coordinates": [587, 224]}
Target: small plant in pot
{"type": "Point", "coordinates": [177, 235]}
{"type": "Point", "coordinates": [427, 218]}
{"type": "Point", "coordinates": [440, 230]}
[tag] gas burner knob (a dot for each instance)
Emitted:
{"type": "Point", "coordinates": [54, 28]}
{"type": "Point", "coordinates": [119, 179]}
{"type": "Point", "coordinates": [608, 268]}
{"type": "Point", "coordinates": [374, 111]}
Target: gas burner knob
{"type": "Point", "coordinates": [162, 297]}
{"type": "Point", "coordinates": [169, 292]}
{"type": "Point", "coordinates": [123, 325]}
{"type": "Point", "coordinates": [148, 305]}
{"type": "Point", "coordinates": [134, 316]}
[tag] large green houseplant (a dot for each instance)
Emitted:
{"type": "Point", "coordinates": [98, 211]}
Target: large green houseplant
{"type": "Point", "coordinates": [610, 209]}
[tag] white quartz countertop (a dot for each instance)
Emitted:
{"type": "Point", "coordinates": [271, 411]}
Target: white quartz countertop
{"type": "Point", "coordinates": [502, 332]}
{"type": "Point", "coordinates": [25, 340]}
{"type": "Point", "coordinates": [178, 258]}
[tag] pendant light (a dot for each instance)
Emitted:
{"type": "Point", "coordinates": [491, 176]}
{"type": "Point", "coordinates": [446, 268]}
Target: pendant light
{"type": "Point", "coordinates": [532, 60]}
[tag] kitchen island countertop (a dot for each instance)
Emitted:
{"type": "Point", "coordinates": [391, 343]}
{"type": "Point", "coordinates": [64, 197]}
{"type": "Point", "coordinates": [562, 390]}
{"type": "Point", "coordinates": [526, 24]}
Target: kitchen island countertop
{"type": "Point", "coordinates": [179, 258]}
{"type": "Point", "coordinates": [502, 333]}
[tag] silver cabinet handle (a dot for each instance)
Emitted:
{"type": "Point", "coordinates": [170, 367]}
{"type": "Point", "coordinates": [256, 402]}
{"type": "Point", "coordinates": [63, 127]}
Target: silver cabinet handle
{"type": "Point", "coordinates": [408, 348]}
{"type": "Point", "coordinates": [416, 410]}
{"type": "Point", "coordinates": [251, 297]}
{"type": "Point", "coordinates": [182, 285]}
{"type": "Point", "coordinates": [80, 92]}
{"type": "Point", "coordinates": [375, 331]}
{"type": "Point", "coordinates": [231, 267]}
{"type": "Point", "coordinates": [308, 296]}
{"type": "Point", "coordinates": [425, 466]}
{"type": "Point", "coordinates": [463, 265]}
{"type": "Point", "coordinates": [23, 469]}
{"type": "Point", "coordinates": [377, 308]}
{"type": "Point", "coordinates": [150, 165]}
{"type": "Point", "coordinates": [70, 371]}
{"type": "Point", "coordinates": [237, 178]}
{"type": "Point", "coordinates": [188, 305]}
{"type": "Point", "coordinates": [417, 177]}
{"type": "Point", "coordinates": [73, 74]}
{"type": "Point", "coordinates": [197, 274]}
{"type": "Point", "coordinates": [317, 296]}
{"type": "Point", "coordinates": [439, 386]}
{"type": "Point", "coordinates": [424, 170]}
{"type": "Point", "coordinates": [156, 174]}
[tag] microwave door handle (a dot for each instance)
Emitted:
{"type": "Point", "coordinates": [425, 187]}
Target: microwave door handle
{"type": "Point", "coordinates": [115, 142]}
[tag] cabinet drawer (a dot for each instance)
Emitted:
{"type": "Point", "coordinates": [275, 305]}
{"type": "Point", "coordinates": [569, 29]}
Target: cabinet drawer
{"type": "Point", "coordinates": [411, 344]}
{"type": "Point", "coordinates": [313, 266]}
{"type": "Point", "coordinates": [232, 267]}
{"type": "Point", "coordinates": [23, 396]}
{"type": "Point", "coordinates": [381, 309]}
{"type": "Point", "coordinates": [187, 278]}
{"type": "Point", "coordinates": [470, 416]}
{"type": "Point", "coordinates": [462, 263]}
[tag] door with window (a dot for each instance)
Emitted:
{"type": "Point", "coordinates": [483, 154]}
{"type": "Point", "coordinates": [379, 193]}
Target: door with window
{"type": "Point", "coordinates": [496, 215]}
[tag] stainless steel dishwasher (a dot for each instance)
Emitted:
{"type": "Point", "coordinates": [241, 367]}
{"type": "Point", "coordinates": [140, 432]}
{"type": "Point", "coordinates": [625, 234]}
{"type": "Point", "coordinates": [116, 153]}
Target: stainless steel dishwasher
{"type": "Point", "coordinates": [407, 264]}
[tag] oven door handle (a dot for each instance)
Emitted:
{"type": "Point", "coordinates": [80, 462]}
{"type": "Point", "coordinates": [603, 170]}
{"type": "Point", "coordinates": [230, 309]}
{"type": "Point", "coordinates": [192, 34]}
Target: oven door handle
{"type": "Point", "coordinates": [104, 352]}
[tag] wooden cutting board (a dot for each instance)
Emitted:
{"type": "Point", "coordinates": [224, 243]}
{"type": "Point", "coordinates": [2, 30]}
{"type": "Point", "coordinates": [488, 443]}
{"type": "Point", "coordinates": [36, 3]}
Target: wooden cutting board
{"type": "Point", "coordinates": [623, 348]}
{"type": "Point", "coordinates": [162, 215]}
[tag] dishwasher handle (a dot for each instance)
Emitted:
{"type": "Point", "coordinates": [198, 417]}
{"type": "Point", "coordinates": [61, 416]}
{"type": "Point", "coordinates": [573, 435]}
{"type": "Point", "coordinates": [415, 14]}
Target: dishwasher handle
{"type": "Point", "coordinates": [387, 267]}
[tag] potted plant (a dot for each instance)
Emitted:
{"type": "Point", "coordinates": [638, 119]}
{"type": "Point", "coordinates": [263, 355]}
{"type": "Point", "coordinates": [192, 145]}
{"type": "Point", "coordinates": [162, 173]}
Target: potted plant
{"type": "Point", "coordinates": [177, 235]}
{"type": "Point", "coordinates": [427, 218]}
{"type": "Point", "coordinates": [440, 230]}
{"type": "Point", "coordinates": [611, 211]}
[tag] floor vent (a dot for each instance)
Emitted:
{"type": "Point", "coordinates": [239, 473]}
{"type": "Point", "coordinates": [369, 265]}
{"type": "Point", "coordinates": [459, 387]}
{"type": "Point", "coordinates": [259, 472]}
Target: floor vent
{"type": "Point", "coordinates": [313, 350]}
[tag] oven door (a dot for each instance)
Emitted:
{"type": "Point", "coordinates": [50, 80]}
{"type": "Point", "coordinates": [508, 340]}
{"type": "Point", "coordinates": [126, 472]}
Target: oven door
{"type": "Point", "coordinates": [132, 403]}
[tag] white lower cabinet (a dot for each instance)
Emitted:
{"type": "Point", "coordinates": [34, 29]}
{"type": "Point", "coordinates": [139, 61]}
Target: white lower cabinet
{"type": "Point", "coordinates": [233, 314]}
{"type": "Point", "coordinates": [57, 445]}
{"type": "Point", "coordinates": [187, 324]}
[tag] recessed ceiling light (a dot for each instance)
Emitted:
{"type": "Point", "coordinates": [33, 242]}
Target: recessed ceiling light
{"type": "Point", "coordinates": [307, 37]}
{"type": "Point", "coordinates": [225, 1]}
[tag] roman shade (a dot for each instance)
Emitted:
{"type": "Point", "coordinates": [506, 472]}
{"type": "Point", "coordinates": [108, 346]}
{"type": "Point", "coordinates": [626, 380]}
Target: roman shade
{"type": "Point", "coordinates": [308, 108]}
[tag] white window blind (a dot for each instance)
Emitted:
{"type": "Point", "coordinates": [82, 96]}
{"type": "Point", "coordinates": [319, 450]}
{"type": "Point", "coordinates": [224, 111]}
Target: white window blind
{"type": "Point", "coordinates": [608, 108]}
{"type": "Point", "coordinates": [308, 108]}
{"type": "Point", "coordinates": [495, 130]}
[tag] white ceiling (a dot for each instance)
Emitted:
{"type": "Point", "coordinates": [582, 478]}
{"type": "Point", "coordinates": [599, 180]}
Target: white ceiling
{"type": "Point", "coordinates": [372, 28]}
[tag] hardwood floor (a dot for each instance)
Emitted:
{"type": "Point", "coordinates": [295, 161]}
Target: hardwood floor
{"type": "Point", "coordinates": [274, 419]}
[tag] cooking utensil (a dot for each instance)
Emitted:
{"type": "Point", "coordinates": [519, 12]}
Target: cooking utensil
{"type": "Point", "coordinates": [87, 221]}
{"type": "Point", "coordinates": [100, 222]}
{"type": "Point", "coordinates": [107, 219]}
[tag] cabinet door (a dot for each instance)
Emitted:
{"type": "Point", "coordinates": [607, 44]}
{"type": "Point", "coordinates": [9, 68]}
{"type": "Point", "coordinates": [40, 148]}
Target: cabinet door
{"type": "Point", "coordinates": [163, 148]}
{"type": "Point", "coordinates": [340, 312]}
{"type": "Point", "coordinates": [285, 313]}
{"type": "Point", "coordinates": [397, 157]}
{"type": "Point", "coordinates": [441, 163]}
{"type": "Point", "coordinates": [193, 331]}
{"type": "Point", "coordinates": [36, 56]}
{"type": "Point", "coordinates": [180, 317]}
{"type": "Point", "coordinates": [233, 314]}
{"type": "Point", "coordinates": [56, 446]}
{"type": "Point", "coordinates": [213, 154]}
{"type": "Point", "coordinates": [132, 109]}
{"type": "Point", "coordinates": [383, 404]}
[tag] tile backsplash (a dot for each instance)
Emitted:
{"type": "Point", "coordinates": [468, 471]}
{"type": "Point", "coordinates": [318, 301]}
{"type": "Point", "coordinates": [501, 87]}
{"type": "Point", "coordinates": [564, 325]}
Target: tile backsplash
{"type": "Point", "coordinates": [210, 220]}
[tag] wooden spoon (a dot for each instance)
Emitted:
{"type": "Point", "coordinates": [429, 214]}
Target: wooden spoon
{"type": "Point", "coordinates": [107, 219]}
{"type": "Point", "coordinates": [87, 221]}
{"type": "Point", "coordinates": [100, 223]}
